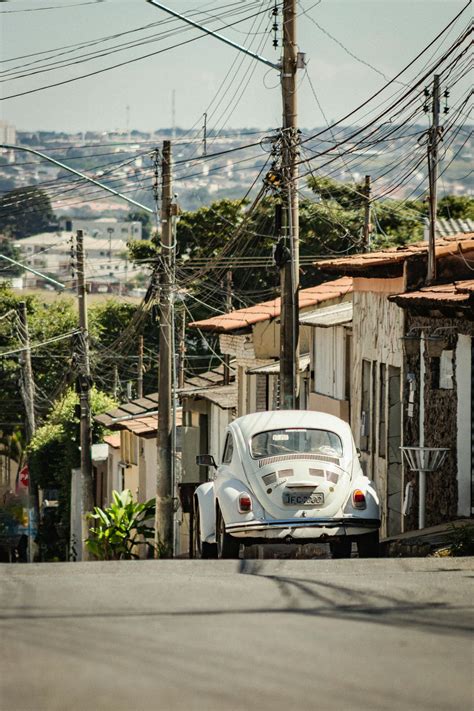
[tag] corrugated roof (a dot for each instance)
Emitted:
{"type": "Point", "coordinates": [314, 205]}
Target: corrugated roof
{"type": "Point", "coordinates": [274, 367]}
{"type": "Point", "coordinates": [459, 293]}
{"type": "Point", "coordinates": [267, 310]}
{"type": "Point", "coordinates": [394, 257]}
{"type": "Point", "coordinates": [335, 315]}
{"type": "Point", "coordinates": [445, 227]}
{"type": "Point", "coordinates": [225, 396]}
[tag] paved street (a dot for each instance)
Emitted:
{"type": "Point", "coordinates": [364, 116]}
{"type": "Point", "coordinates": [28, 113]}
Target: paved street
{"type": "Point", "coordinates": [231, 635]}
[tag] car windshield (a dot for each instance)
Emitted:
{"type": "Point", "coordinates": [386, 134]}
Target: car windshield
{"type": "Point", "coordinates": [295, 440]}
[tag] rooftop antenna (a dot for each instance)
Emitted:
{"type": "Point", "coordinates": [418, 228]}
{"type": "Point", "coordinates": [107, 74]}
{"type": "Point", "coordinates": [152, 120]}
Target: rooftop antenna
{"type": "Point", "coordinates": [127, 110]}
{"type": "Point", "coordinates": [173, 114]}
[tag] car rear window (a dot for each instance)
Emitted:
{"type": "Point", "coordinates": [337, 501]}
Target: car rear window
{"type": "Point", "coordinates": [295, 440]}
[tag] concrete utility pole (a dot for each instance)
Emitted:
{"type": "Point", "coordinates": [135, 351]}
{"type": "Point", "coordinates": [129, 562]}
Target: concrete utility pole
{"type": "Point", "coordinates": [28, 390]}
{"type": "Point", "coordinates": [140, 367]}
{"type": "Point", "coordinates": [204, 137]}
{"type": "Point", "coordinates": [289, 274]}
{"type": "Point", "coordinates": [28, 394]}
{"type": "Point", "coordinates": [84, 385]}
{"type": "Point", "coordinates": [228, 306]}
{"type": "Point", "coordinates": [164, 488]}
{"type": "Point", "coordinates": [367, 215]}
{"type": "Point", "coordinates": [433, 138]}
{"type": "Point", "coordinates": [182, 349]}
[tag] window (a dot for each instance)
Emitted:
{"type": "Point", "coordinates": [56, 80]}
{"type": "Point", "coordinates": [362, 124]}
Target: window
{"type": "Point", "coordinates": [295, 441]}
{"type": "Point", "coordinates": [228, 450]}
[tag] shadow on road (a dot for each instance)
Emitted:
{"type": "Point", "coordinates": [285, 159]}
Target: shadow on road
{"type": "Point", "coordinates": [301, 597]}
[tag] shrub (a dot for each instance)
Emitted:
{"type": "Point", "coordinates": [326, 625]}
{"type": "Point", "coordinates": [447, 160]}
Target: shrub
{"type": "Point", "coordinates": [122, 528]}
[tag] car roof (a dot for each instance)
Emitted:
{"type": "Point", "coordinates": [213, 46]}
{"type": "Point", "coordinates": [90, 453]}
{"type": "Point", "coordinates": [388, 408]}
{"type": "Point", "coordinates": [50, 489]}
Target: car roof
{"type": "Point", "coordinates": [280, 419]}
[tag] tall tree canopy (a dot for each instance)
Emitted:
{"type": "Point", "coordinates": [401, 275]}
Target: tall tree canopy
{"type": "Point", "coordinates": [25, 211]}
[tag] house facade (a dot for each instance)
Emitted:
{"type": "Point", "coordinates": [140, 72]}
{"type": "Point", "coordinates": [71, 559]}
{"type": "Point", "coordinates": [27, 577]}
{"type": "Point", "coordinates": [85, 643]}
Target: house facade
{"type": "Point", "coordinates": [383, 382]}
{"type": "Point", "coordinates": [440, 408]}
{"type": "Point", "coordinates": [251, 336]}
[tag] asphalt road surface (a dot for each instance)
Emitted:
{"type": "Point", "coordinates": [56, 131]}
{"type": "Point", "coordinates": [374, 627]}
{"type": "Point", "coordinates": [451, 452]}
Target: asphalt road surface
{"type": "Point", "coordinates": [249, 635]}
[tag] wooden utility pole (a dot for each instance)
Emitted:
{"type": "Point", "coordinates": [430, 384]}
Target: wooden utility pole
{"type": "Point", "coordinates": [289, 273]}
{"type": "Point", "coordinates": [140, 367]}
{"type": "Point", "coordinates": [84, 385]}
{"type": "Point", "coordinates": [164, 488]}
{"type": "Point", "coordinates": [228, 307]}
{"type": "Point", "coordinates": [367, 215]}
{"type": "Point", "coordinates": [433, 138]}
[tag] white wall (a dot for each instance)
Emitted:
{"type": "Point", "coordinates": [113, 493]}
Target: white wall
{"type": "Point", "coordinates": [329, 361]}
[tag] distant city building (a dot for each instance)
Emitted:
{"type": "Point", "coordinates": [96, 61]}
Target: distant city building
{"type": "Point", "coordinates": [104, 227]}
{"type": "Point", "coordinates": [7, 132]}
{"type": "Point", "coordinates": [50, 253]}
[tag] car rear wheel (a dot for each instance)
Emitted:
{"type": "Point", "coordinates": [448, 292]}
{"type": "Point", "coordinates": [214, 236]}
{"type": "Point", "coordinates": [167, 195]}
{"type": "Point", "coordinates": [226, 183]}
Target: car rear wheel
{"type": "Point", "coordinates": [368, 545]}
{"type": "Point", "coordinates": [342, 548]}
{"type": "Point", "coordinates": [227, 546]}
{"type": "Point", "coordinates": [201, 549]}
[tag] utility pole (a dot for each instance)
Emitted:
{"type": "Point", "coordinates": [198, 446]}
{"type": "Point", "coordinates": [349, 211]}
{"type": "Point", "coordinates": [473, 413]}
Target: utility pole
{"type": "Point", "coordinates": [204, 137]}
{"type": "Point", "coordinates": [28, 389]}
{"type": "Point", "coordinates": [228, 307]}
{"type": "Point", "coordinates": [367, 215]}
{"type": "Point", "coordinates": [28, 394]}
{"type": "Point", "coordinates": [140, 367]}
{"type": "Point", "coordinates": [433, 137]}
{"type": "Point", "coordinates": [84, 385]}
{"type": "Point", "coordinates": [182, 349]}
{"type": "Point", "coordinates": [164, 488]}
{"type": "Point", "coordinates": [289, 273]}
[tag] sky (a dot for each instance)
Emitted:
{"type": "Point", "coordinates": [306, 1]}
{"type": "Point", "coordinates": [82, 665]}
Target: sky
{"type": "Point", "coordinates": [378, 38]}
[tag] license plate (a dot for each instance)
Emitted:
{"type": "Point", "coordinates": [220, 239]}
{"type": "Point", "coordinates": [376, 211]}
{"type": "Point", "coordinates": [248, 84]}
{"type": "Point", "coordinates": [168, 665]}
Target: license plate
{"type": "Point", "coordinates": [299, 499]}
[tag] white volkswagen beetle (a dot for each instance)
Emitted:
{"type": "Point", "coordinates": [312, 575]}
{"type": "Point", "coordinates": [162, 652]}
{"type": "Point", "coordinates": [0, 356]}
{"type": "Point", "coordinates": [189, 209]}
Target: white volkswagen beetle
{"type": "Point", "coordinates": [287, 475]}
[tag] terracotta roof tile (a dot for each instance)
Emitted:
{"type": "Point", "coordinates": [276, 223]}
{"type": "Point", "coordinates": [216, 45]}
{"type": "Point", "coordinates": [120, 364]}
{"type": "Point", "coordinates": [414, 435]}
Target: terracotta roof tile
{"type": "Point", "coordinates": [267, 310]}
{"type": "Point", "coordinates": [113, 440]}
{"type": "Point", "coordinates": [360, 263]}
{"type": "Point", "coordinates": [458, 292]}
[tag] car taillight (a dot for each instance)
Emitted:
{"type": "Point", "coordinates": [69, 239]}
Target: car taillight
{"type": "Point", "coordinates": [358, 499]}
{"type": "Point", "coordinates": [245, 503]}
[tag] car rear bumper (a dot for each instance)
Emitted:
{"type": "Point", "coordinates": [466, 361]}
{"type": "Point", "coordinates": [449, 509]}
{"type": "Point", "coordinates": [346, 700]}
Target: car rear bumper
{"type": "Point", "coordinates": [303, 528]}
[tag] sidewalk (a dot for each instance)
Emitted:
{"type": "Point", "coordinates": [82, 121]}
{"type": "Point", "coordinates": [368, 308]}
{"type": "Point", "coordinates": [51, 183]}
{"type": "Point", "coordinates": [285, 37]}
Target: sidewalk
{"type": "Point", "coordinates": [422, 542]}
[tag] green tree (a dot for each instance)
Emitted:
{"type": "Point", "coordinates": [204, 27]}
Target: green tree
{"type": "Point", "coordinates": [456, 207]}
{"type": "Point", "coordinates": [145, 219]}
{"type": "Point", "coordinates": [8, 249]}
{"type": "Point", "coordinates": [25, 211]}
{"type": "Point", "coordinates": [52, 453]}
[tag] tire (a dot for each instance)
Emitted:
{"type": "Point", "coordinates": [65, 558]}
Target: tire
{"type": "Point", "coordinates": [201, 549]}
{"type": "Point", "coordinates": [227, 546]}
{"type": "Point", "coordinates": [368, 545]}
{"type": "Point", "coordinates": [341, 548]}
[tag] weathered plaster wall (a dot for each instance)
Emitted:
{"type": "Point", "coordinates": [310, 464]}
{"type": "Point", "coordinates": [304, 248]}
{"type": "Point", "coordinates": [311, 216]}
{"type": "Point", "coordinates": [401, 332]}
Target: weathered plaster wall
{"type": "Point", "coordinates": [377, 327]}
{"type": "Point", "coordinates": [440, 421]}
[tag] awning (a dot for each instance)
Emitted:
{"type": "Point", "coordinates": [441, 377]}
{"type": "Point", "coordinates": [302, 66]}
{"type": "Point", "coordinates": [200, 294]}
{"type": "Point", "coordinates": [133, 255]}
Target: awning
{"type": "Point", "coordinates": [335, 315]}
{"type": "Point", "coordinates": [274, 368]}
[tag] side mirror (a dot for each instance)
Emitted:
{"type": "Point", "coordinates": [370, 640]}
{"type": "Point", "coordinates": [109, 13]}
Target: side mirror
{"type": "Point", "coordinates": [206, 460]}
